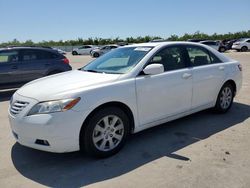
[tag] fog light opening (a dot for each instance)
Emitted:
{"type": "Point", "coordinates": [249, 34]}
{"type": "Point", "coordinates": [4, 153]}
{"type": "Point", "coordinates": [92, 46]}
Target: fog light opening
{"type": "Point", "coordinates": [42, 142]}
{"type": "Point", "coordinates": [15, 135]}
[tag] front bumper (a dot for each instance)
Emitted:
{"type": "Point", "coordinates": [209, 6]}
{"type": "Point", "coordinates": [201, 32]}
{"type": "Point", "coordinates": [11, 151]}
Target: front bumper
{"type": "Point", "coordinates": [61, 130]}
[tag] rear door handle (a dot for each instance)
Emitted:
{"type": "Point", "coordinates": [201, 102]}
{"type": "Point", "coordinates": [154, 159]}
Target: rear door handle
{"type": "Point", "coordinates": [186, 75]}
{"type": "Point", "coordinates": [221, 67]}
{"type": "Point", "coordinates": [14, 67]}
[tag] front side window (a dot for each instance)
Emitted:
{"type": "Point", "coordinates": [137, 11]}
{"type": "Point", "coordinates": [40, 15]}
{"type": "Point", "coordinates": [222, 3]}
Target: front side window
{"type": "Point", "coordinates": [9, 56]}
{"type": "Point", "coordinates": [171, 58]}
{"type": "Point", "coordinates": [118, 61]}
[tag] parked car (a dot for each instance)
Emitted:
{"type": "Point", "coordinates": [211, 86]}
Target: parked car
{"type": "Point", "coordinates": [217, 45]}
{"type": "Point", "coordinates": [83, 50]}
{"type": "Point", "coordinates": [242, 45]}
{"type": "Point", "coordinates": [228, 43]}
{"type": "Point", "coordinates": [20, 65]}
{"type": "Point", "coordinates": [125, 91]}
{"type": "Point", "coordinates": [100, 51]}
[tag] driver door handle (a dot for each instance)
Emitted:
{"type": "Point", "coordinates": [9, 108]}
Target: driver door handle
{"type": "Point", "coordinates": [221, 67]}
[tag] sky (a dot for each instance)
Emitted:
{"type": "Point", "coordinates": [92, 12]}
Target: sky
{"type": "Point", "coordinates": [69, 19]}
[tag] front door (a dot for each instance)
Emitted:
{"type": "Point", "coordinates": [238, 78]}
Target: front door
{"type": "Point", "coordinates": [166, 94]}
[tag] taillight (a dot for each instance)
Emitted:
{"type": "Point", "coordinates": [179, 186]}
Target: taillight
{"type": "Point", "coordinates": [240, 67]}
{"type": "Point", "coordinates": [65, 60]}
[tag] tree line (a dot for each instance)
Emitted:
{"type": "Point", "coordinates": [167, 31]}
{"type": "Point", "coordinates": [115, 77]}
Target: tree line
{"type": "Point", "coordinates": [129, 40]}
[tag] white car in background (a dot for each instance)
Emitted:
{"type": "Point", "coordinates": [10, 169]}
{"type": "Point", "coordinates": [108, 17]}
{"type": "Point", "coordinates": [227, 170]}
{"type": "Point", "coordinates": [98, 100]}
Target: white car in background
{"type": "Point", "coordinates": [242, 45]}
{"type": "Point", "coordinates": [125, 91]}
{"type": "Point", "coordinates": [103, 50]}
{"type": "Point", "coordinates": [83, 50]}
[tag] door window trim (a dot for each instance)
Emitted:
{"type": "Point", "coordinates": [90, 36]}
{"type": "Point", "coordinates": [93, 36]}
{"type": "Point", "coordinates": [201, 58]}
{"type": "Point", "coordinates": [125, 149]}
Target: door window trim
{"type": "Point", "coordinates": [203, 49]}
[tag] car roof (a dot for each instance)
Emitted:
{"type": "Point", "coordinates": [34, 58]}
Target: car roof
{"type": "Point", "coordinates": [155, 44]}
{"type": "Point", "coordinates": [31, 48]}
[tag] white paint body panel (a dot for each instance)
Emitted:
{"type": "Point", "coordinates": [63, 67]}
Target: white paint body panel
{"type": "Point", "coordinates": [152, 99]}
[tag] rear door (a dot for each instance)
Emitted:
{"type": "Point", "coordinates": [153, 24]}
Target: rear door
{"type": "Point", "coordinates": [208, 75]}
{"type": "Point", "coordinates": [33, 65]}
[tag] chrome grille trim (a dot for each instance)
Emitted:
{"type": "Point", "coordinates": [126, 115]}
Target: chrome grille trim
{"type": "Point", "coordinates": [17, 107]}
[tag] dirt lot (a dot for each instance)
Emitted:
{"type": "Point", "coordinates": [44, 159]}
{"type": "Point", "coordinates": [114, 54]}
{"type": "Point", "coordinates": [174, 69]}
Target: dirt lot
{"type": "Point", "coordinates": [201, 150]}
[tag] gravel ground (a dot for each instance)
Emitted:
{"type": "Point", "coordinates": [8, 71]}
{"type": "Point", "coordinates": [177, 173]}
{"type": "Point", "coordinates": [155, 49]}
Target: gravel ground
{"type": "Point", "coordinates": [201, 150]}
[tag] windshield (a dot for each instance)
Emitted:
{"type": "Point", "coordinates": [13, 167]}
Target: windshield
{"type": "Point", "coordinates": [118, 61]}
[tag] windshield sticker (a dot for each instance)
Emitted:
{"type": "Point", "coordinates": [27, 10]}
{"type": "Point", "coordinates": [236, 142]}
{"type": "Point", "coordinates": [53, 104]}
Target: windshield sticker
{"type": "Point", "coordinates": [142, 49]}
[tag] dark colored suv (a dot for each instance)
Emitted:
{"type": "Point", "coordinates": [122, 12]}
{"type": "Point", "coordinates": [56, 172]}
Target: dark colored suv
{"type": "Point", "coordinates": [20, 65]}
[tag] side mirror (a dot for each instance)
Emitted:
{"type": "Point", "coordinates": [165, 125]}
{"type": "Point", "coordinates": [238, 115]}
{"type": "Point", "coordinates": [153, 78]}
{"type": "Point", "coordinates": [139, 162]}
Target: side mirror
{"type": "Point", "coordinates": [153, 69]}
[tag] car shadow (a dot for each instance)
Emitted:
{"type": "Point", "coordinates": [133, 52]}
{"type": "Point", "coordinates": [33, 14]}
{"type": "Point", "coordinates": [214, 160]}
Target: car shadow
{"type": "Point", "coordinates": [6, 95]}
{"type": "Point", "coordinates": [75, 169]}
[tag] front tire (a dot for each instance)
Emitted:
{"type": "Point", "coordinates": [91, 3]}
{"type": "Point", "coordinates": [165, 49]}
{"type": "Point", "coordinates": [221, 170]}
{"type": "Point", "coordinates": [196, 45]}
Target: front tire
{"type": "Point", "coordinates": [244, 49]}
{"type": "Point", "coordinates": [74, 53]}
{"type": "Point", "coordinates": [225, 98]}
{"type": "Point", "coordinates": [105, 133]}
{"type": "Point", "coordinates": [222, 49]}
{"type": "Point", "coordinates": [96, 55]}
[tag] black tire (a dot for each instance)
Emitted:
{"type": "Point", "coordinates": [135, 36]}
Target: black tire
{"type": "Point", "coordinates": [88, 131]}
{"type": "Point", "coordinates": [96, 54]}
{"type": "Point", "coordinates": [244, 49]}
{"type": "Point", "coordinates": [54, 72]}
{"type": "Point", "coordinates": [219, 102]}
{"type": "Point", "coordinates": [74, 53]}
{"type": "Point", "coordinates": [222, 49]}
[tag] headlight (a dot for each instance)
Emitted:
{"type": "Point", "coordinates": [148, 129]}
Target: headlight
{"type": "Point", "coordinates": [53, 106]}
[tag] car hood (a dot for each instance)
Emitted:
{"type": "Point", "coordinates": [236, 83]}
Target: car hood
{"type": "Point", "coordinates": [50, 87]}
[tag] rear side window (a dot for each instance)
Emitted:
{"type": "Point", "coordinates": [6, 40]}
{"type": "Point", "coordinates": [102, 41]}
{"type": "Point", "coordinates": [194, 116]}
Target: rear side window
{"type": "Point", "coordinates": [9, 56]}
{"type": "Point", "coordinates": [199, 56]}
{"type": "Point", "coordinates": [47, 55]}
{"type": "Point", "coordinates": [30, 55]}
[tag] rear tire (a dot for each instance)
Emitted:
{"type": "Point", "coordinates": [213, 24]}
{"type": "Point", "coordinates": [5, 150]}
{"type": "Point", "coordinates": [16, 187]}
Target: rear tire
{"type": "Point", "coordinates": [244, 49]}
{"type": "Point", "coordinates": [225, 98]}
{"type": "Point", "coordinates": [105, 132]}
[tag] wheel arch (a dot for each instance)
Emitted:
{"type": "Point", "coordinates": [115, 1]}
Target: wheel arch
{"type": "Point", "coordinates": [118, 104]}
{"type": "Point", "coordinates": [233, 84]}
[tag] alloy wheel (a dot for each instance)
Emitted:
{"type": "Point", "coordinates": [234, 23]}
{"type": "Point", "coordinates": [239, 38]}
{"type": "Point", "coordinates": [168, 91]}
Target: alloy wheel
{"type": "Point", "coordinates": [108, 133]}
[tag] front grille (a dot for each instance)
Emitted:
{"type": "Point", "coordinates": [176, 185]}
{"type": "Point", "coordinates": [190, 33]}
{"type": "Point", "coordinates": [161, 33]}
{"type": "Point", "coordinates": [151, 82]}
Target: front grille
{"type": "Point", "coordinates": [17, 107]}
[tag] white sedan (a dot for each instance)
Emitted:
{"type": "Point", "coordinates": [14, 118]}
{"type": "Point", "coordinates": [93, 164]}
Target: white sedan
{"type": "Point", "coordinates": [125, 91]}
{"type": "Point", "coordinates": [83, 50]}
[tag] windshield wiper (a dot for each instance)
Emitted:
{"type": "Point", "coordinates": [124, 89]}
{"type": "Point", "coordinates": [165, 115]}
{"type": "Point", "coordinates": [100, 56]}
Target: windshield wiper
{"type": "Point", "coordinates": [92, 71]}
